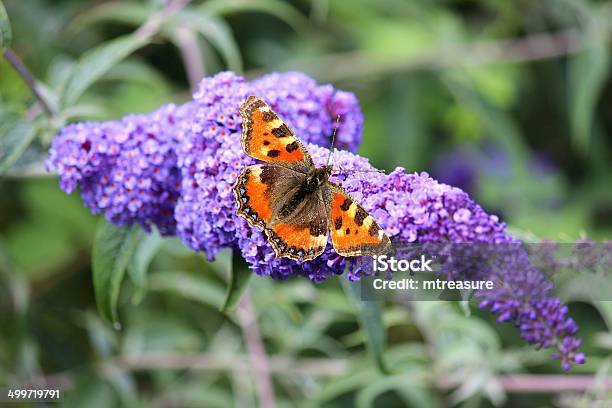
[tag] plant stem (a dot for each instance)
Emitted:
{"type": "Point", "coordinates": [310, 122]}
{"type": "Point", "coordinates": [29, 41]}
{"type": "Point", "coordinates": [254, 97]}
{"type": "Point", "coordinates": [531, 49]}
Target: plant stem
{"type": "Point", "coordinates": [187, 43]}
{"type": "Point", "coordinates": [28, 78]}
{"type": "Point", "coordinates": [257, 353]}
{"type": "Point", "coordinates": [512, 383]}
{"type": "Point", "coordinates": [534, 47]}
{"type": "Point", "coordinates": [238, 363]}
{"type": "Point", "coordinates": [543, 383]}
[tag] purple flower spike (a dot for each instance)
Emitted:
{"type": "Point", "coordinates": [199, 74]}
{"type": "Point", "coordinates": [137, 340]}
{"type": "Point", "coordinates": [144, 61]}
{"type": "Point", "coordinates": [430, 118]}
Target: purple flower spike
{"type": "Point", "coordinates": [175, 168]}
{"type": "Point", "coordinates": [126, 169]}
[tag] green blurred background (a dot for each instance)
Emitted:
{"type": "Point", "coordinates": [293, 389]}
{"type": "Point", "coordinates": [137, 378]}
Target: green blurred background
{"type": "Point", "coordinates": [508, 100]}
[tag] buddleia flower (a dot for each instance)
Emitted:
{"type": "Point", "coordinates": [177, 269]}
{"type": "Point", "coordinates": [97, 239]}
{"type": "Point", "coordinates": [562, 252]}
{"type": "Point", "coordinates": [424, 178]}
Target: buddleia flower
{"type": "Point", "coordinates": [125, 169]}
{"type": "Point", "coordinates": [175, 169]}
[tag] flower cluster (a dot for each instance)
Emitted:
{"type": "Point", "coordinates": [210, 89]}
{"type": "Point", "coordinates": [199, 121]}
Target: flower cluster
{"type": "Point", "coordinates": [522, 296]}
{"type": "Point", "coordinates": [543, 323]}
{"type": "Point", "coordinates": [175, 169]}
{"type": "Point", "coordinates": [211, 156]}
{"type": "Point", "coordinates": [125, 168]}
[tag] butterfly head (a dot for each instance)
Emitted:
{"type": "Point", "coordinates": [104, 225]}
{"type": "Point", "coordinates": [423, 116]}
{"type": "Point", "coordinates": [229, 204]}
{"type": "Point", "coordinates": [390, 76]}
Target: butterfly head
{"type": "Point", "coordinates": [317, 177]}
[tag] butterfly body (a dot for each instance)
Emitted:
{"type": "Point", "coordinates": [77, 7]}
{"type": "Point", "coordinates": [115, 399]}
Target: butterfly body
{"type": "Point", "coordinates": [293, 201]}
{"type": "Point", "coordinates": [307, 188]}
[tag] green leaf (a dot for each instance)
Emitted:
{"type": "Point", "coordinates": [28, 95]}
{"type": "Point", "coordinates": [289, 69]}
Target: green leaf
{"type": "Point", "coordinates": [84, 111]}
{"type": "Point", "coordinates": [356, 379]}
{"type": "Point", "coordinates": [145, 251]}
{"type": "Point", "coordinates": [95, 63]}
{"type": "Point", "coordinates": [55, 223]}
{"type": "Point", "coordinates": [605, 309]}
{"type": "Point", "coordinates": [190, 286]}
{"type": "Point", "coordinates": [277, 8]}
{"type": "Point", "coordinates": [113, 248]}
{"type": "Point", "coordinates": [215, 30]}
{"type": "Point", "coordinates": [240, 275]}
{"type": "Point", "coordinates": [136, 71]}
{"type": "Point", "coordinates": [588, 73]}
{"type": "Point", "coordinates": [114, 12]}
{"type": "Point", "coordinates": [5, 29]}
{"type": "Point", "coordinates": [15, 137]}
{"type": "Point", "coordinates": [102, 339]}
{"type": "Point", "coordinates": [91, 390]}
{"type": "Point", "coordinates": [370, 320]}
{"type": "Point", "coordinates": [585, 287]}
{"type": "Point", "coordinates": [405, 117]}
{"type": "Point", "coordinates": [407, 386]}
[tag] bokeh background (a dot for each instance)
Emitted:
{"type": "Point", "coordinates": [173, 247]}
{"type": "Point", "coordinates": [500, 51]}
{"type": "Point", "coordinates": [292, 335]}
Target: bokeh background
{"type": "Point", "coordinates": [510, 101]}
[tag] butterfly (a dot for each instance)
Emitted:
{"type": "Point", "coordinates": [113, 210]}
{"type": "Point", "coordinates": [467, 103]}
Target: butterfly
{"type": "Point", "coordinates": [293, 201]}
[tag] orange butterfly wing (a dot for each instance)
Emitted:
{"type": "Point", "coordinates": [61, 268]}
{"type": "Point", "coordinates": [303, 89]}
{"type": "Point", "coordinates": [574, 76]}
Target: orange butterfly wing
{"type": "Point", "coordinates": [353, 231]}
{"type": "Point", "coordinates": [266, 137]}
{"type": "Point", "coordinates": [298, 242]}
{"type": "Point", "coordinates": [253, 196]}
{"type": "Point", "coordinates": [259, 190]}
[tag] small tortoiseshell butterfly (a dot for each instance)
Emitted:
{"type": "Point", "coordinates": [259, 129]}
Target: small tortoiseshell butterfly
{"type": "Point", "coordinates": [293, 201]}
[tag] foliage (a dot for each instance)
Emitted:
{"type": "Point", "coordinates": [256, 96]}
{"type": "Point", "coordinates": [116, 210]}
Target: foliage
{"type": "Point", "coordinates": [518, 93]}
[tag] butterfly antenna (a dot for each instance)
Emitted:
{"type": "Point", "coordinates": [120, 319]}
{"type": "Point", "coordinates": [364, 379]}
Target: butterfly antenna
{"type": "Point", "coordinates": [331, 149]}
{"type": "Point", "coordinates": [341, 169]}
